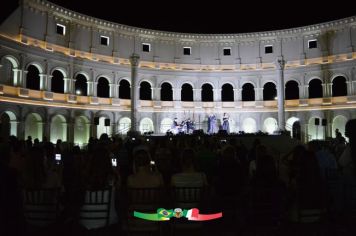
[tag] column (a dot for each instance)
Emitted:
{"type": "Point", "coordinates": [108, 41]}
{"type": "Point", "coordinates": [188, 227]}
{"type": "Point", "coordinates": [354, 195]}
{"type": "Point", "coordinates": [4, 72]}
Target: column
{"type": "Point", "coordinates": [301, 91]}
{"type": "Point", "coordinates": [197, 95]}
{"type": "Point", "coordinates": [47, 129]}
{"type": "Point", "coordinates": [17, 77]}
{"type": "Point", "coordinates": [72, 87]}
{"type": "Point", "coordinates": [156, 96]}
{"type": "Point", "coordinates": [280, 94]}
{"type": "Point", "coordinates": [95, 88]}
{"type": "Point", "coordinates": [21, 129]}
{"type": "Point", "coordinates": [258, 94]}
{"type": "Point", "coordinates": [66, 85]}
{"type": "Point", "coordinates": [70, 131]}
{"type": "Point", "coordinates": [49, 83]}
{"type": "Point", "coordinates": [238, 93]}
{"type": "Point", "coordinates": [134, 60]}
{"type": "Point", "coordinates": [217, 94]}
{"type": "Point", "coordinates": [112, 90]}
{"type": "Point", "coordinates": [24, 78]}
{"type": "Point", "coordinates": [349, 88]}
{"type": "Point", "coordinates": [90, 88]}
{"type": "Point", "coordinates": [43, 82]}
{"type": "Point", "coordinates": [304, 132]}
{"type": "Point", "coordinates": [177, 94]}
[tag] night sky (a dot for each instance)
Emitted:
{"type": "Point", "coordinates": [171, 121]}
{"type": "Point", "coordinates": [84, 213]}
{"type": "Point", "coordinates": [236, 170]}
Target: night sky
{"type": "Point", "coordinates": [208, 17]}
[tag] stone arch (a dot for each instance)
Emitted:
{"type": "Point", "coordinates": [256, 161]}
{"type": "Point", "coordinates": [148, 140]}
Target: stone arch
{"type": "Point", "coordinates": [34, 126]}
{"type": "Point", "coordinates": [145, 90]}
{"type": "Point", "coordinates": [124, 125]}
{"type": "Point", "coordinates": [57, 81]}
{"type": "Point", "coordinates": [338, 122]}
{"type": "Point", "coordinates": [293, 125]}
{"type": "Point", "coordinates": [84, 73]}
{"type": "Point", "coordinates": [166, 124]}
{"type": "Point", "coordinates": [187, 92]}
{"type": "Point", "coordinates": [269, 91]}
{"type": "Point", "coordinates": [81, 85]}
{"type": "Point", "coordinates": [146, 125]}
{"type": "Point", "coordinates": [124, 78]}
{"type": "Point", "coordinates": [8, 74]}
{"type": "Point", "coordinates": [58, 128]}
{"type": "Point", "coordinates": [207, 92]}
{"type": "Point", "coordinates": [166, 92]}
{"type": "Point", "coordinates": [124, 89]}
{"type": "Point", "coordinates": [81, 130]}
{"type": "Point", "coordinates": [315, 88]}
{"type": "Point", "coordinates": [8, 124]}
{"type": "Point", "coordinates": [339, 86]}
{"type": "Point", "coordinates": [61, 69]}
{"type": "Point", "coordinates": [249, 125]}
{"type": "Point", "coordinates": [103, 87]}
{"type": "Point", "coordinates": [33, 80]}
{"type": "Point", "coordinates": [270, 125]}
{"type": "Point", "coordinates": [108, 78]}
{"type": "Point", "coordinates": [227, 92]}
{"type": "Point", "coordinates": [291, 90]}
{"type": "Point", "coordinates": [13, 60]}
{"type": "Point", "coordinates": [37, 65]}
{"type": "Point", "coordinates": [248, 92]}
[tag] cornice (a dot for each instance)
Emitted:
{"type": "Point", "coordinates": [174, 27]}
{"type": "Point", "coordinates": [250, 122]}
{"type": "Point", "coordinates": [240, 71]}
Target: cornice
{"type": "Point", "coordinates": [129, 31]}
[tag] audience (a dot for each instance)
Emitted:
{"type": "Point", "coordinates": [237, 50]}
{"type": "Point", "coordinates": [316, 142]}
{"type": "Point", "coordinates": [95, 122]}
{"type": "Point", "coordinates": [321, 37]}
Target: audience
{"type": "Point", "coordinates": [229, 168]}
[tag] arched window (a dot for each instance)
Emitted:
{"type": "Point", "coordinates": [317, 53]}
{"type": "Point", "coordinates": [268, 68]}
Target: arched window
{"type": "Point", "coordinates": [145, 91]}
{"type": "Point", "coordinates": [166, 92]}
{"type": "Point", "coordinates": [81, 87]}
{"type": "Point", "coordinates": [248, 92]}
{"type": "Point", "coordinates": [292, 90]}
{"type": "Point", "coordinates": [124, 89]}
{"type": "Point", "coordinates": [207, 94]}
{"type": "Point", "coordinates": [227, 93]}
{"type": "Point", "coordinates": [187, 93]}
{"type": "Point", "coordinates": [57, 82]}
{"type": "Point", "coordinates": [339, 86]}
{"type": "Point", "coordinates": [7, 73]}
{"type": "Point", "coordinates": [33, 78]}
{"type": "Point", "coordinates": [315, 89]}
{"type": "Point", "coordinates": [269, 91]}
{"type": "Point", "coordinates": [103, 89]}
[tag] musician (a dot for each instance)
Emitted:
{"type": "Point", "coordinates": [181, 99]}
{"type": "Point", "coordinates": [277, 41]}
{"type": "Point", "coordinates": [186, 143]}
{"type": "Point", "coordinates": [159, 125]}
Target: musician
{"type": "Point", "coordinates": [189, 125]}
{"type": "Point", "coordinates": [225, 125]}
{"type": "Point", "coordinates": [175, 122]}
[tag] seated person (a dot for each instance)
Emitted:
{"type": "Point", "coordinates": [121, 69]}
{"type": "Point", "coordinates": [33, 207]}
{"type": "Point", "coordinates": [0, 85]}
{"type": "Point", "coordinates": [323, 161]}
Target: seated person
{"type": "Point", "coordinates": [188, 177]}
{"type": "Point", "coordinates": [143, 176]}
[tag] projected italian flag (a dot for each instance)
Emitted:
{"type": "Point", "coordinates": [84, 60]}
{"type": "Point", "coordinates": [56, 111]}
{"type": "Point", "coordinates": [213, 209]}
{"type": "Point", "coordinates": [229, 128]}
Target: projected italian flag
{"type": "Point", "coordinates": [163, 215]}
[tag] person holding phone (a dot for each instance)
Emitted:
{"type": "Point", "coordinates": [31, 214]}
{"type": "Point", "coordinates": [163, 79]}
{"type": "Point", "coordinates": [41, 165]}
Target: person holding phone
{"type": "Point", "coordinates": [143, 176]}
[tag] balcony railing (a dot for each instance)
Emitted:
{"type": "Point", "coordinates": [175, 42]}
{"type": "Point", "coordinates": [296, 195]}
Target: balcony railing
{"type": "Point", "coordinates": [10, 93]}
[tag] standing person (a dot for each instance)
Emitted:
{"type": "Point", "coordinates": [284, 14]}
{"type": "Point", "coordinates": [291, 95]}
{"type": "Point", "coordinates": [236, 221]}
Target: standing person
{"type": "Point", "coordinates": [209, 121]}
{"type": "Point", "coordinates": [212, 124]}
{"type": "Point", "coordinates": [226, 125]}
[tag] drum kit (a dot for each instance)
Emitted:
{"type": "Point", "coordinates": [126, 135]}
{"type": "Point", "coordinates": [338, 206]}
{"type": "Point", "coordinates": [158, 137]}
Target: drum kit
{"type": "Point", "coordinates": [185, 127]}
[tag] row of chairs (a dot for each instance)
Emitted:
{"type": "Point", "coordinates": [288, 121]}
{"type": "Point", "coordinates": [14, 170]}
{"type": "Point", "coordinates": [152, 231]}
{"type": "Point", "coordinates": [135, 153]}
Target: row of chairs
{"type": "Point", "coordinates": [42, 206]}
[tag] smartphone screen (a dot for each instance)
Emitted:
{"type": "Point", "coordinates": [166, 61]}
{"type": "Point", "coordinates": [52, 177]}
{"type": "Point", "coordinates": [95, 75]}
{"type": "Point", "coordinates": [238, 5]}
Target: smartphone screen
{"type": "Point", "coordinates": [58, 157]}
{"type": "Point", "coordinates": [152, 162]}
{"type": "Point", "coordinates": [113, 162]}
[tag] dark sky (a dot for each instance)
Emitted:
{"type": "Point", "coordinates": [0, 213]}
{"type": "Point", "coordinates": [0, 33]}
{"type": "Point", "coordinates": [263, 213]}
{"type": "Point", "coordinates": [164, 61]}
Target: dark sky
{"type": "Point", "coordinates": [209, 16]}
